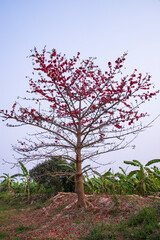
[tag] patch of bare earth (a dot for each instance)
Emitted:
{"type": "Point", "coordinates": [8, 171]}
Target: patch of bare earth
{"type": "Point", "coordinates": [61, 220]}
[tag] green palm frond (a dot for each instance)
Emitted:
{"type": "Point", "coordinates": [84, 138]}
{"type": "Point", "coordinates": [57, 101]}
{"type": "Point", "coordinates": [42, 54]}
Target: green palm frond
{"type": "Point", "coordinates": [97, 173]}
{"type": "Point", "coordinates": [24, 169]}
{"type": "Point", "coordinates": [123, 171]}
{"type": "Point", "coordinates": [108, 173]}
{"type": "Point", "coordinates": [152, 162]}
{"type": "Point", "coordinates": [138, 163]}
{"type": "Point", "coordinates": [132, 173]}
{"type": "Point", "coordinates": [132, 163]}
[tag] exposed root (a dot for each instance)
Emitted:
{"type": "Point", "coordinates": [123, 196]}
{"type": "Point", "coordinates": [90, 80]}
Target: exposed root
{"type": "Point", "coordinates": [84, 204]}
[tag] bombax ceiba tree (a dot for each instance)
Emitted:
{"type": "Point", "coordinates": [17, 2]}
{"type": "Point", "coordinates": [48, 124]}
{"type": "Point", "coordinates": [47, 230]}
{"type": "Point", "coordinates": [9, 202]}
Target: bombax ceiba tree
{"type": "Point", "coordinates": [80, 111]}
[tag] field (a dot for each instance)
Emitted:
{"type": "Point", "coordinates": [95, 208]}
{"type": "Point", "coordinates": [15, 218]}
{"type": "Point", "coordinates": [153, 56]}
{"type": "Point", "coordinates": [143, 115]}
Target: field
{"type": "Point", "coordinates": [110, 217]}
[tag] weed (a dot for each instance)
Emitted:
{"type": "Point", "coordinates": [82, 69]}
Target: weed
{"type": "Point", "coordinates": [77, 221]}
{"type": "Point", "coordinates": [3, 235]}
{"type": "Point", "coordinates": [145, 216]}
{"type": "Point", "coordinates": [9, 201]}
{"type": "Point", "coordinates": [38, 205]}
{"type": "Point", "coordinates": [21, 228]}
{"type": "Point", "coordinates": [143, 225]}
{"type": "Point", "coordinates": [114, 211]}
{"type": "Point", "coordinates": [99, 232]}
{"type": "Point", "coordinates": [61, 207]}
{"type": "Point", "coordinates": [115, 199]}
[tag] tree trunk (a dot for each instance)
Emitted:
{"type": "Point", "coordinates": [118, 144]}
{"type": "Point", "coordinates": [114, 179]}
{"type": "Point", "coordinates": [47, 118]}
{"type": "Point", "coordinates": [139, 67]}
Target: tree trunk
{"type": "Point", "coordinates": [75, 183]}
{"type": "Point", "coordinates": [82, 201]}
{"type": "Point", "coordinates": [80, 188]}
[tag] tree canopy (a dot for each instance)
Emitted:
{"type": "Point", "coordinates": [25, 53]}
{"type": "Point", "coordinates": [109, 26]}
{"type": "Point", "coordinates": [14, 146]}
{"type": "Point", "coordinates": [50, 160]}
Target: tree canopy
{"type": "Point", "coordinates": [80, 111]}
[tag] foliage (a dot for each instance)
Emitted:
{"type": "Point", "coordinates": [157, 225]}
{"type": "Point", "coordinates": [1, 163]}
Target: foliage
{"type": "Point", "coordinates": [52, 174]}
{"type": "Point", "coordinates": [26, 176]}
{"type": "Point", "coordinates": [144, 178]}
{"type": "Point", "coordinates": [143, 225]}
{"type": "Point", "coordinates": [99, 232]}
{"type": "Point", "coordinates": [14, 201]}
{"type": "Point", "coordinates": [46, 180]}
{"type": "Point", "coordinates": [20, 187]}
{"type": "Point", "coordinates": [8, 180]}
{"type": "Point", "coordinates": [142, 181]}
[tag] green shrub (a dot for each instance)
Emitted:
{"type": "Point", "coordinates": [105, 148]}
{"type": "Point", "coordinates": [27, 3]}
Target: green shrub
{"type": "Point", "coordinates": [46, 174]}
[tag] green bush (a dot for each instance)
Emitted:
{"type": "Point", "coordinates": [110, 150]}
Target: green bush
{"type": "Point", "coordinates": [51, 176]}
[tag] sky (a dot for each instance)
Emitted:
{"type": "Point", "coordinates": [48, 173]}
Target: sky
{"type": "Point", "coordinates": [96, 28]}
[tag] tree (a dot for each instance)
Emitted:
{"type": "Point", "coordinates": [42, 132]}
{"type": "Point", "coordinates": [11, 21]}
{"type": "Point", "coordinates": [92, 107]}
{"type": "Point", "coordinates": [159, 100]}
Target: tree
{"type": "Point", "coordinates": [53, 174]}
{"type": "Point", "coordinates": [80, 111]}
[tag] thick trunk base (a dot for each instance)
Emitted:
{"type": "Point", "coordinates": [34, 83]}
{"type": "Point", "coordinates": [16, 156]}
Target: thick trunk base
{"type": "Point", "coordinates": [83, 204]}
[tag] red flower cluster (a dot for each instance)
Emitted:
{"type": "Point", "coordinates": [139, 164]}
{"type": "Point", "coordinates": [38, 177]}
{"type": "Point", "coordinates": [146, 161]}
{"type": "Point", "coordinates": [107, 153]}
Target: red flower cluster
{"type": "Point", "coordinates": [75, 98]}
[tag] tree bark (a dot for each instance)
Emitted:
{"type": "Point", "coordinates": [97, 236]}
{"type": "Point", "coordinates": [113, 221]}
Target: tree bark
{"type": "Point", "coordinates": [75, 183]}
{"type": "Point", "coordinates": [82, 201]}
{"type": "Point", "coordinates": [80, 188]}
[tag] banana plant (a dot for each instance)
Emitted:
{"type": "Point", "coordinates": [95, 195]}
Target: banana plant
{"type": "Point", "coordinates": [142, 175]}
{"type": "Point", "coordinates": [102, 180]}
{"type": "Point", "coordinates": [8, 179]}
{"type": "Point", "coordinates": [123, 184]}
{"type": "Point", "coordinates": [88, 183]}
{"type": "Point", "coordinates": [25, 175]}
{"type": "Point", "coordinates": [154, 174]}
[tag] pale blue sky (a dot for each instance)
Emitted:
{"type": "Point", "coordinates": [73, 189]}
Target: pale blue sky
{"type": "Point", "coordinates": [97, 28]}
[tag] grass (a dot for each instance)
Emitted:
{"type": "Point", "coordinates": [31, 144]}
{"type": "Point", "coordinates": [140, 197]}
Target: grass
{"type": "Point", "coordinates": [4, 235]}
{"type": "Point", "coordinates": [141, 226]}
{"type": "Point", "coordinates": [9, 201]}
{"type": "Point", "coordinates": [112, 217]}
{"type": "Point", "coordinates": [21, 229]}
{"type": "Point", "coordinates": [100, 232]}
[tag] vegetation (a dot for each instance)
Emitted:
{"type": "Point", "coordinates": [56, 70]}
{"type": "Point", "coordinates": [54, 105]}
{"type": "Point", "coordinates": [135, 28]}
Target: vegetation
{"type": "Point", "coordinates": [119, 207]}
{"type": "Point", "coordinates": [143, 225]}
{"type": "Point", "coordinates": [53, 176]}
{"type": "Point", "coordinates": [8, 180]}
{"type": "Point", "coordinates": [143, 181]}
